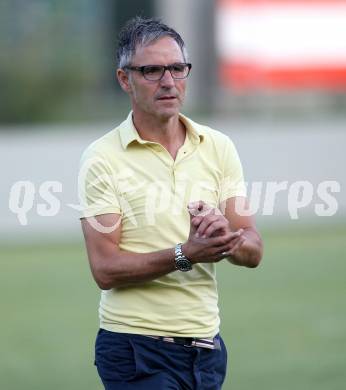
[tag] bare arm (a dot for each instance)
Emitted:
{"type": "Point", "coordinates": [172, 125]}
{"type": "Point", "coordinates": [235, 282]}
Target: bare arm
{"type": "Point", "coordinates": [248, 250]}
{"type": "Point", "coordinates": [112, 267]}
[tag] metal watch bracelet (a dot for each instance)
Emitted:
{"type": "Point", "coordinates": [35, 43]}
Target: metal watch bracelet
{"type": "Point", "coordinates": [182, 263]}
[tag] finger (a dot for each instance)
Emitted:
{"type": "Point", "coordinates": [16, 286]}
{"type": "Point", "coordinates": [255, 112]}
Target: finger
{"type": "Point", "coordinates": [199, 208]}
{"type": "Point", "coordinates": [222, 250]}
{"type": "Point", "coordinates": [199, 204]}
{"type": "Point", "coordinates": [207, 210]}
{"type": "Point", "coordinates": [216, 259]}
{"type": "Point", "coordinates": [205, 224]}
{"type": "Point", "coordinates": [219, 241]}
{"type": "Point", "coordinates": [213, 227]}
{"type": "Point", "coordinates": [195, 208]}
{"type": "Point", "coordinates": [234, 242]}
{"type": "Point", "coordinates": [237, 245]}
{"type": "Point", "coordinates": [193, 224]}
{"type": "Point", "coordinates": [219, 232]}
{"type": "Point", "coordinates": [215, 253]}
{"type": "Point", "coordinates": [221, 254]}
{"type": "Point", "coordinates": [236, 234]}
{"type": "Point", "coordinates": [225, 250]}
{"type": "Point", "coordinates": [225, 239]}
{"type": "Point", "coordinates": [195, 221]}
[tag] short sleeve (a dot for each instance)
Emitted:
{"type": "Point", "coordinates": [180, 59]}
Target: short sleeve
{"type": "Point", "coordinates": [233, 179]}
{"type": "Point", "coordinates": [97, 187]}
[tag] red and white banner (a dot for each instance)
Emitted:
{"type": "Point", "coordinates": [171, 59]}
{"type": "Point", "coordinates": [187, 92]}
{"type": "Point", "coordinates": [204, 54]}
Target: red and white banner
{"type": "Point", "coordinates": [282, 44]}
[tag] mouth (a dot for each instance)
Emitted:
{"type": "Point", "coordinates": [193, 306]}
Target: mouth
{"type": "Point", "coordinates": [167, 98]}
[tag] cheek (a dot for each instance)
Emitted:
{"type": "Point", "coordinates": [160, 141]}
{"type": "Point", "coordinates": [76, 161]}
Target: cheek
{"type": "Point", "coordinates": [181, 91]}
{"type": "Point", "coordinates": [181, 87]}
{"type": "Point", "coordinates": [143, 95]}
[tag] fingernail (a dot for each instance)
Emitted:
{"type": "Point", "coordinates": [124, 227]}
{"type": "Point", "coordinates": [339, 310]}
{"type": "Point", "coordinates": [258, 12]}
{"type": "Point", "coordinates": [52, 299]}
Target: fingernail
{"type": "Point", "coordinates": [196, 235]}
{"type": "Point", "coordinates": [204, 236]}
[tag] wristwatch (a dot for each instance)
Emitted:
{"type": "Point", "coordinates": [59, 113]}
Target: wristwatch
{"type": "Point", "coordinates": [182, 263]}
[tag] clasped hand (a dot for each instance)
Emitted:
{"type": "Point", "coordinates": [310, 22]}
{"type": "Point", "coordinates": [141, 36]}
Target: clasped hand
{"type": "Point", "coordinates": [210, 239]}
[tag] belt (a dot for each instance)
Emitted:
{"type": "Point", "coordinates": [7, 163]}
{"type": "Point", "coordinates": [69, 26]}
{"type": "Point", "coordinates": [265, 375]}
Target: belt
{"type": "Point", "coordinates": [210, 343]}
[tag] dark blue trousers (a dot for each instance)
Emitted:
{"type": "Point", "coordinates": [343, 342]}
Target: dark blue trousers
{"type": "Point", "coordinates": [128, 362]}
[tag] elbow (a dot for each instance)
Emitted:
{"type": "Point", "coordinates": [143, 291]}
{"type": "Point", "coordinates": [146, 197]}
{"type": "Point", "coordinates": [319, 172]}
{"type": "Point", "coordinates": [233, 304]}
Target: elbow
{"type": "Point", "coordinates": [106, 281]}
{"type": "Point", "coordinates": [256, 255]}
{"type": "Point", "coordinates": [104, 285]}
{"type": "Point", "coordinates": [254, 264]}
{"type": "Point", "coordinates": [255, 260]}
{"type": "Point", "coordinates": [104, 275]}
{"type": "Point", "coordinates": [108, 285]}
{"type": "Point", "coordinates": [103, 281]}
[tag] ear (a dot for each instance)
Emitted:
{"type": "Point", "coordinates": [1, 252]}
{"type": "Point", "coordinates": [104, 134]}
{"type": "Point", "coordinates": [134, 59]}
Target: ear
{"type": "Point", "coordinates": [124, 81]}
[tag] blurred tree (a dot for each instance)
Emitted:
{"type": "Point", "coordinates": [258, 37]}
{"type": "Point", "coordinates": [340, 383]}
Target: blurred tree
{"type": "Point", "coordinates": [57, 57]}
{"type": "Point", "coordinates": [118, 13]}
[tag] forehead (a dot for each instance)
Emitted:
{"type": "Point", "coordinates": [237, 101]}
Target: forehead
{"type": "Point", "coordinates": [161, 52]}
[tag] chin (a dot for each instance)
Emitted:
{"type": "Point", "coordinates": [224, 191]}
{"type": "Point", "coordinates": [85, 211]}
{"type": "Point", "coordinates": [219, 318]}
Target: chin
{"type": "Point", "coordinates": [168, 112]}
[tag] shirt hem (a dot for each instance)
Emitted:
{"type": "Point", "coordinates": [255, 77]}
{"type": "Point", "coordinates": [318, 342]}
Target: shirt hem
{"type": "Point", "coordinates": [151, 332]}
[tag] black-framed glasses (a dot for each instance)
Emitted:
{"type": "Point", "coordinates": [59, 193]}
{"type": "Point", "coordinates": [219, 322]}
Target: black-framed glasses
{"type": "Point", "coordinates": [178, 71]}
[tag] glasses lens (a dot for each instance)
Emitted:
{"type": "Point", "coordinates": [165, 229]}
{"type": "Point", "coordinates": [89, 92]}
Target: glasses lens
{"type": "Point", "coordinates": [153, 72]}
{"type": "Point", "coordinates": [179, 71]}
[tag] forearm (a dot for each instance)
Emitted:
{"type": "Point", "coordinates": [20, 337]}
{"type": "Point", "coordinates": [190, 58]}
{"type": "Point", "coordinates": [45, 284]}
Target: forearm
{"type": "Point", "coordinates": [250, 252]}
{"type": "Point", "coordinates": [123, 268]}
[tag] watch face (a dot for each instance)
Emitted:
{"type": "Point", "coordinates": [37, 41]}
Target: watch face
{"type": "Point", "coordinates": [184, 265]}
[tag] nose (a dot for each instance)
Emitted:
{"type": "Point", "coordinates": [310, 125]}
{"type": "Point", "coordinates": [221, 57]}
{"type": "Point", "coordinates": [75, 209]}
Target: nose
{"type": "Point", "coordinates": [167, 79]}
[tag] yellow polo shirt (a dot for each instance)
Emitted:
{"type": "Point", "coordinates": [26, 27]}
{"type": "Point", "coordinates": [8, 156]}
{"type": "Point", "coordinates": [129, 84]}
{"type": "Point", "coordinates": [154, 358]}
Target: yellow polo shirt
{"type": "Point", "coordinates": [124, 174]}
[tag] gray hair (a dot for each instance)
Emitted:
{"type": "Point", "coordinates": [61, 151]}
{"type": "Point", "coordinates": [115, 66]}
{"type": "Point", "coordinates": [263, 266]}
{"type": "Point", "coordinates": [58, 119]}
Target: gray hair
{"type": "Point", "coordinates": [143, 32]}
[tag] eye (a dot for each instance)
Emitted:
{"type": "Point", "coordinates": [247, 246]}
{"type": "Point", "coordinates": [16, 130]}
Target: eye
{"type": "Point", "coordinates": [152, 69]}
{"type": "Point", "coordinates": [179, 68]}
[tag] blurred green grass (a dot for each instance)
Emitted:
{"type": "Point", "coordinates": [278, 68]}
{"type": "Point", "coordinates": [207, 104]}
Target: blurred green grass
{"type": "Point", "coordinates": [284, 322]}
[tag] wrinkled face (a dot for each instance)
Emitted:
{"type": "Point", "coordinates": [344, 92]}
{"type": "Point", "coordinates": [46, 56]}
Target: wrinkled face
{"type": "Point", "coordinates": [164, 98]}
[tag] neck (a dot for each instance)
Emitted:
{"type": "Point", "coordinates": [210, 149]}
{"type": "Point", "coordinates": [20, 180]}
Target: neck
{"type": "Point", "coordinates": [169, 132]}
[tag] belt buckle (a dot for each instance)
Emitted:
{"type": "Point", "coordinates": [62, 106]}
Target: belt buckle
{"type": "Point", "coordinates": [190, 341]}
{"type": "Point", "coordinates": [185, 341]}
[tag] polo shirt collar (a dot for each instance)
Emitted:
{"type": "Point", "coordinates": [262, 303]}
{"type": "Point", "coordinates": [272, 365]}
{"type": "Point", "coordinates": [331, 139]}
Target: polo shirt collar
{"type": "Point", "coordinates": [129, 134]}
{"type": "Point", "coordinates": [194, 131]}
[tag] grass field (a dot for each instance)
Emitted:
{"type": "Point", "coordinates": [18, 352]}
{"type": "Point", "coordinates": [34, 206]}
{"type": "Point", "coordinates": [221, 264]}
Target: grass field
{"type": "Point", "coordinates": [284, 323]}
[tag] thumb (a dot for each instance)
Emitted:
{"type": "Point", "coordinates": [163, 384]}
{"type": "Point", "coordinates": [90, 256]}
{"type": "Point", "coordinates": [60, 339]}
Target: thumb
{"type": "Point", "coordinates": [197, 208]}
{"type": "Point", "coordinates": [194, 209]}
{"type": "Point", "coordinates": [197, 211]}
{"type": "Point", "coordinates": [192, 213]}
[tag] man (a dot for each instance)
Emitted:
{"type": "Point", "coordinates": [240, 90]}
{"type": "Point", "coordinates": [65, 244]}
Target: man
{"type": "Point", "coordinates": [153, 191]}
